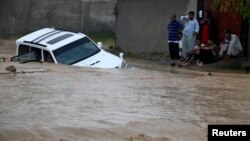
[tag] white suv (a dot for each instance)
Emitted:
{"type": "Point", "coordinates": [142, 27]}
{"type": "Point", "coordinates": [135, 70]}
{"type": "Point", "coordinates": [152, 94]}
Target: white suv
{"type": "Point", "coordinates": [65, 47]}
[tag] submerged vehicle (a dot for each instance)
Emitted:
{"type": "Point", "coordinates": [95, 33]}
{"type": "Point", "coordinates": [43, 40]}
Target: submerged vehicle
{"type": "Point", "coordinates": [65, 47]}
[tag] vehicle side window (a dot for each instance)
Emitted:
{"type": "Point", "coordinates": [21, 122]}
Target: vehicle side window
{"type": "Point", "coordinates": [37, 52]}
{"type": "Point", "coordinates": [47, 57]}
{"type": "Point", "coordinates": [23, 49]}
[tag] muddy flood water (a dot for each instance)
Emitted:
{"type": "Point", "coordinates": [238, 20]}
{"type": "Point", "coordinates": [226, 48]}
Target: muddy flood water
{"type": "Point", "coordinates": [143, 103]}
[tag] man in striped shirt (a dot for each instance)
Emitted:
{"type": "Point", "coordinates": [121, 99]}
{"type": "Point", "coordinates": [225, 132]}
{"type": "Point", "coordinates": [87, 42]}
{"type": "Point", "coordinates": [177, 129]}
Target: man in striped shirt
{"type": "Point", "coordinates": [173, 39]}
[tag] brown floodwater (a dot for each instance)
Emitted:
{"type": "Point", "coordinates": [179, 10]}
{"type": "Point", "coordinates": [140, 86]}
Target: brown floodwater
{"type": "Point", "coordinates": [143, 103]}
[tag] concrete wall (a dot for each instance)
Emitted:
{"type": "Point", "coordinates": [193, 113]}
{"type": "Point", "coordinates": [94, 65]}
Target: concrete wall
{"type": "Point", "coordinates": [141, 24]}
{"type": "Point", "coordinates": [19, 16]}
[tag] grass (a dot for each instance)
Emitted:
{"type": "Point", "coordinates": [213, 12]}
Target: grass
{"type": "Point", "coordinates": [17, 36]}
{"type": "Point", "coordinates": [107, 38]}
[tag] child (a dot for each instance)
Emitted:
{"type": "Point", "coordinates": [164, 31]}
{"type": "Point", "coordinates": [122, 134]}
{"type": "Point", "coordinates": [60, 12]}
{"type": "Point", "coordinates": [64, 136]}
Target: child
{"type": "Point", "coordinates": [180, 44]}
{"type": "Point", "coordinates": [192, 54]}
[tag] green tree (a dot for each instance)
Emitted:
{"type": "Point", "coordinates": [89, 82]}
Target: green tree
{"type": "Point", "coordinates": [244, 8]}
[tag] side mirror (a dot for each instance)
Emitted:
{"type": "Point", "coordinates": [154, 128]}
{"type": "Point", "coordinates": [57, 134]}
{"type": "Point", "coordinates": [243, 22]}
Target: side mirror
{"type": "Point", "coordinates": [99, 44]}
{"type": "Point", "coordinates": [121, 55]}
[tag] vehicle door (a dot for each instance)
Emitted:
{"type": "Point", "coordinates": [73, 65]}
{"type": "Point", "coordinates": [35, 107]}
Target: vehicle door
{"type": "Point", "coordinates": [27, 54]}
{"type": "Point", "coordinates": [47, 57]}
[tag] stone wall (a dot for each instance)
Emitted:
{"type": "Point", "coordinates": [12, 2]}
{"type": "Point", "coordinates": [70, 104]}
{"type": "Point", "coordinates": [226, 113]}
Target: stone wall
{"type": "Point", "coordinates": [20, 16]}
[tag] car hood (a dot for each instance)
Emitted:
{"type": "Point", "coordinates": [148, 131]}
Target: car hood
{"type": "Point", "coordinates": [102, 59]}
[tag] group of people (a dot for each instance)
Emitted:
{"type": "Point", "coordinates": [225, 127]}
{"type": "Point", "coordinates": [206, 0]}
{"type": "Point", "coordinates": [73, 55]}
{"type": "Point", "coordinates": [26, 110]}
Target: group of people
{"type": "Point", "coordinates": [192, 40]}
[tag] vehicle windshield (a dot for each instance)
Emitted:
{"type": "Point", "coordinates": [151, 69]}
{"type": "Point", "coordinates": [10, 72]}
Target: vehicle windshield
{"type": "Point", "coordinates": [76, 51]}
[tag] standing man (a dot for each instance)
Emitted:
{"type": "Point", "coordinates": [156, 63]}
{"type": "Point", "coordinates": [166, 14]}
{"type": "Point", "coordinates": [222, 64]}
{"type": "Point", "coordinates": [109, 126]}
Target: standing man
{"type": "Point", "coordinates": [173, 39]}
{"type": "Point", "coordinates": [191, 29]}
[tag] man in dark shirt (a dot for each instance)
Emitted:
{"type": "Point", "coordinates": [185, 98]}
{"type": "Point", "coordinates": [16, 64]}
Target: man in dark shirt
{"type": "Point", "coordinates": [173, 39]}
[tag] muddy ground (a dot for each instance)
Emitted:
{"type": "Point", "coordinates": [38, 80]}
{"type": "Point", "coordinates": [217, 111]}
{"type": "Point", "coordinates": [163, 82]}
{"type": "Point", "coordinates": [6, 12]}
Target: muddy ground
{"type": "Point", "coordinates": [148, 102]}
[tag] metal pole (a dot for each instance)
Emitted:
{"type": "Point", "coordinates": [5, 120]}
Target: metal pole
{"type": "Point", "coordinates": [82, 16]}
{"type": "Point", "coordinates": [115, 12]}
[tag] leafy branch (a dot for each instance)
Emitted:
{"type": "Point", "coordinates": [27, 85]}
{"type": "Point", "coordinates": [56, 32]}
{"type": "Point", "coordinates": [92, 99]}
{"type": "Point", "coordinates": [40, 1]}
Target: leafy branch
{"type": "Point", "coordinates": [244, 8]}
{"type": "Point", "coordinates": [215, 4]}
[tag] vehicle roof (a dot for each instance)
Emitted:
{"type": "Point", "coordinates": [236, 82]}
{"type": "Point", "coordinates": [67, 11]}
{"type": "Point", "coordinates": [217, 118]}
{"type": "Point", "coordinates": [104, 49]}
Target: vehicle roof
{"type": "Point", "coordinates": [49, 38]}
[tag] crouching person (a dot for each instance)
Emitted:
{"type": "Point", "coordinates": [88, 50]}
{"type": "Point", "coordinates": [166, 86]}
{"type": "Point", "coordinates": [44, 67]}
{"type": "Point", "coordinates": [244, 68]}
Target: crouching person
{"type": "Point", "coordinates": [207, 53]}
{"type": "Point", "coordinates": [231, 46]}
{"type": "Point", "coordinates": [191, 55]}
